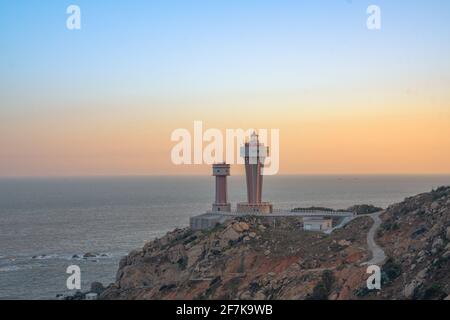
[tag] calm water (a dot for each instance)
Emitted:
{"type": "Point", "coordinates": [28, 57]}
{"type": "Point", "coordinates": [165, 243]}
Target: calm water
{"type": "Point", "coordinates": [54, 219]}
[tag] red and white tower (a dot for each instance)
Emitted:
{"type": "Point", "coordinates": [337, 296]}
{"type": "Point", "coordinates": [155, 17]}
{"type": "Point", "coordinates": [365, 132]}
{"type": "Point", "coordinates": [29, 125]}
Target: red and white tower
{"type": "Point", "coordinates": [254, 154]}
{"type": "Point", "coordinates": [221, 171]}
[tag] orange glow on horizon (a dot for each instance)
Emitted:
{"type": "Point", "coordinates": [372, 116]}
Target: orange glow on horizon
{"type": "Point", "coordinates": [361, 143]}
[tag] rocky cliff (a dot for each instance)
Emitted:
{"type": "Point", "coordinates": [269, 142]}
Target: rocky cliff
{"type": "Point", "coordinates": [262, 258]}
{"type": "Point", "coordinates": [416, 233]}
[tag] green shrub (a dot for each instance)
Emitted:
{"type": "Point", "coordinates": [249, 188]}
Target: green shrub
{"type": "Point", "coordinates": [323, 288]}
{"type": "Point", "coordinates": [434, 292]}
{"type": "Point", "coordinates": [182, 262]}
{"type": "Point", "coordinates": [390, 271]}
{"type": "Point", "coordinates": [362, 292]}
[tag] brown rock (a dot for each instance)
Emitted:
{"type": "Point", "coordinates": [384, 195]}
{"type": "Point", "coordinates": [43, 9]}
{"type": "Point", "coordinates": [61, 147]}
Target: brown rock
{"type": "Point", "coordinates": [236, 227]}
{"type": "Point", "coordinates": [434, 205]}
{"type": "Point", "coordinates": [333, 296]}
{"type": "Point", "coordinates": [344, 243]}
{"type": "Point", "coordinates": [193, 254]}
{"type": "Point", "coordinates": [246, 295]}
{"type": "Point", "coordinates": [260, 296]}
{"type": "Point", "coordinates": [411, 287]}
{"type": "Point", "coordinates": [229, 234]}
{"type": "Point", "coordinates": [176, 253]}
{"type": "Point", "coordinates": [437, 243]}
{"type": "Point", "coordinates": [244, 226]}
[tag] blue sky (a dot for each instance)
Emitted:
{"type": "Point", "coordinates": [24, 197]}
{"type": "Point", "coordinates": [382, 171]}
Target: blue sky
{"type": "Point", "coordinates": [166, 47]}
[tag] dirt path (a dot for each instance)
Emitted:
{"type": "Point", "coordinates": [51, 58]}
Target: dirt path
{"type": "Point", "coordinates": [378, 255]}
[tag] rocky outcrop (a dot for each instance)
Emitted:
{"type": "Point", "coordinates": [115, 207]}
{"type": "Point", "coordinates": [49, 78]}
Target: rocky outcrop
{"type": "Point", "coordinates": [251, 258]}
{"type": "Point", "coordinates": [364, 209]}
{"type": "Point", "coordinates": [97, 287]}
{"type": "Point", "coordinates": [262, 258]}
{"type": "Point", "coordinates": [415, 231]}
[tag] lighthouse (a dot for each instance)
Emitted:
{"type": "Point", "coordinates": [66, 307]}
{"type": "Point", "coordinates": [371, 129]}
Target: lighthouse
{"type": "Point", "coordinates": [221, 171]}
{"type": "Point", "coordinates": [254, 154]}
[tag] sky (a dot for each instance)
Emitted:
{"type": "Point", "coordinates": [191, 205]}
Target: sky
{"type": "Point", "coordinates": [104, 100]}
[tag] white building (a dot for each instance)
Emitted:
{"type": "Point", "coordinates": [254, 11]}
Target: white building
{"type": "Point", "coordinates": [317, 224]}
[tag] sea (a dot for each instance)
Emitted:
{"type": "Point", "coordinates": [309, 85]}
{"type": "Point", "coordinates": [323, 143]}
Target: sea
{"type": "Point", "coordinates": [49, 224]}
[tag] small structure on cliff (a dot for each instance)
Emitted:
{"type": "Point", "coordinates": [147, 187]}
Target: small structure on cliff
{"type": "Point", "coordinates": [317, 224]}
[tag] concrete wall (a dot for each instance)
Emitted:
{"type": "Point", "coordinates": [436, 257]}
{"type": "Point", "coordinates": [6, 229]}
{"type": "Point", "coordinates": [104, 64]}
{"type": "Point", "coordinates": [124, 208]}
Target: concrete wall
{"type": "Point", "coordinates": [206, 221]}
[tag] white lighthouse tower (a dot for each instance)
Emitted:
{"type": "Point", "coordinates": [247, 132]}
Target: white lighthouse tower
{"type": "Point", "coordinates": [254, 154]}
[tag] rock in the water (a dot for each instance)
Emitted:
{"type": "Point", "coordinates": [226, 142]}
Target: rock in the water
{"type": "Point", "coordinates": [89, 255]}
{"type": "Point", "coordinates": [77, 296]}
{"type": "Point", "coordinates": [97, 287]}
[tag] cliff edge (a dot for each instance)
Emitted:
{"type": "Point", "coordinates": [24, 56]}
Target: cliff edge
{"type": "Point", "coordinates": [262, 258]}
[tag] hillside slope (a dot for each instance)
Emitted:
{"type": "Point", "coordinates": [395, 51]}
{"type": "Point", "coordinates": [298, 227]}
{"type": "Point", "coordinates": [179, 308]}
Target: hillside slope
{"type": "Point", "coordinates": [259, 258]}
